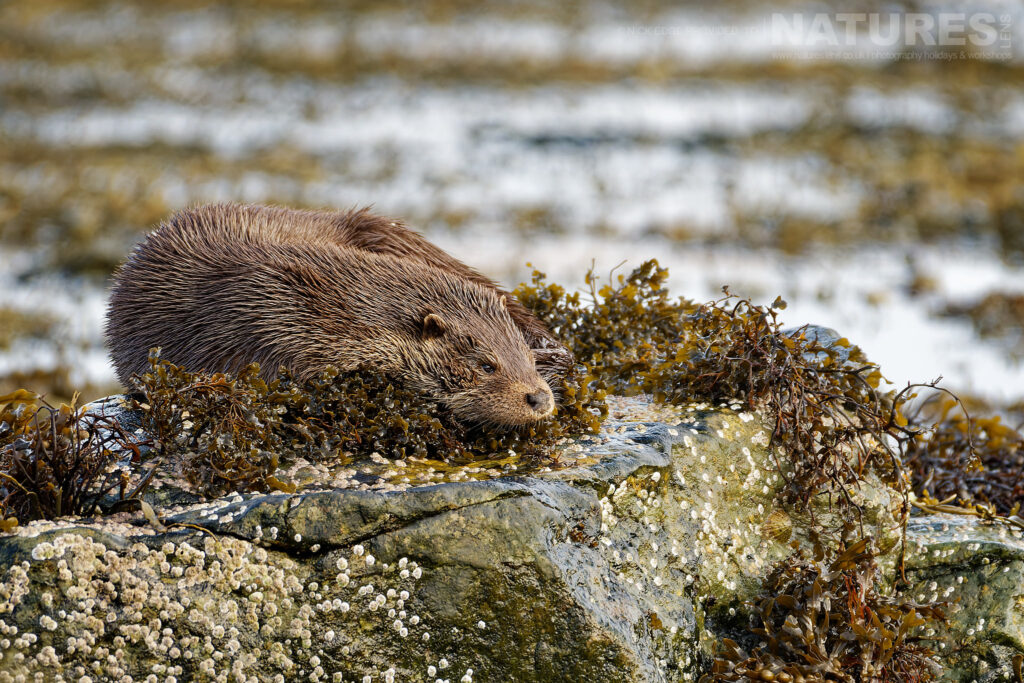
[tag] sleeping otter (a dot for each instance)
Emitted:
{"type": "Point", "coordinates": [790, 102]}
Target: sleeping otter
{"type": "Point", "coordinates": [219, 287]}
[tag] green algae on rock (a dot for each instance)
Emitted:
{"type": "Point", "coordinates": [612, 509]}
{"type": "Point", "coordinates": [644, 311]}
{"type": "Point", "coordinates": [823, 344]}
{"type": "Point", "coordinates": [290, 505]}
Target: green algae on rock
{"type": "Point", "coordinates": [292, 564]}
{"type": "Point", "coordinates": [475, 578]}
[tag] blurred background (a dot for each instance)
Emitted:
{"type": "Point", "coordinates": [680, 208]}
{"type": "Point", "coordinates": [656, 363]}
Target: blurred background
{"type": "Point", "coordinates": [879, 191]}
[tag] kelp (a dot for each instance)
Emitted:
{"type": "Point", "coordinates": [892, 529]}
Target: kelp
{"type": "Point", "coordinates": [832, 419]}
{"type": "Point", "coordinates": [17, 324]}
{"type": "Point", "coordinates": [229, 433]}
{"type": "Point", "coordinates": [56, 461]}
{"type": "Point", "coordinates": [821, 620]}
{"type": "Point", "coordinates": [970, 460]}
{"type": "Point", "coordinates": [824, 619]}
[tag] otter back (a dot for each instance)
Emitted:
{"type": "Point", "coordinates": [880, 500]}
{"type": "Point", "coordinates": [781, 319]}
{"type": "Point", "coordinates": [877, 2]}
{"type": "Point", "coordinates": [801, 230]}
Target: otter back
{"type": "Point", "coordinates": [360, 229]}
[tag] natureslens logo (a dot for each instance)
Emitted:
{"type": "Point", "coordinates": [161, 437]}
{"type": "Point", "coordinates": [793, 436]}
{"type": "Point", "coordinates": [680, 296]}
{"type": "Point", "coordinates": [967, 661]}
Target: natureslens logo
{"type": "Point", "coordinates": [907, 35]}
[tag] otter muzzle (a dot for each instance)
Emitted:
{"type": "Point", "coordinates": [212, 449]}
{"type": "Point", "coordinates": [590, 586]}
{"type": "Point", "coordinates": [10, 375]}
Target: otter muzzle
{"type": "Point", "coordinates": [541, 401]}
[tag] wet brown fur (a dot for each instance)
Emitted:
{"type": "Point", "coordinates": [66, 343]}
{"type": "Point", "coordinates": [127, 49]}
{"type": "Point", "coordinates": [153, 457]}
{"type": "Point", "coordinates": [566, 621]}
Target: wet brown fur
{"type": "Point", "coordinates": [218, 287]}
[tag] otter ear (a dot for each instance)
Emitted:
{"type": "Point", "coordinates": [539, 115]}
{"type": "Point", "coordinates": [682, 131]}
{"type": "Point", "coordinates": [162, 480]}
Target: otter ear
{"type": "Point", "coordinates": [502, 300]}
{"type": "Point", "coordinates": [433, 326]}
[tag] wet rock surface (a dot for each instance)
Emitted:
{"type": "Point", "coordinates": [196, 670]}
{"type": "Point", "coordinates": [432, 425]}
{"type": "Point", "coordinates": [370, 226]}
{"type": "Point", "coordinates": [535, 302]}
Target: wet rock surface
{"type": "Point", "coordinates": [979, 569]}
{"type": "Point", "coordinates": [622, 560]}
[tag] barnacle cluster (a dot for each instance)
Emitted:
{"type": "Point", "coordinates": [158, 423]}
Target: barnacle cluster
{"type": "Point", "coordinates": [204, 608]}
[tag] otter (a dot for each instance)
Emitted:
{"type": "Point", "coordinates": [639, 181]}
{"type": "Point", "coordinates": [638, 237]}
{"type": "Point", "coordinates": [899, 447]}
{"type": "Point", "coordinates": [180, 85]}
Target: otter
{"type": "Point", "coordinates": [222, 286]}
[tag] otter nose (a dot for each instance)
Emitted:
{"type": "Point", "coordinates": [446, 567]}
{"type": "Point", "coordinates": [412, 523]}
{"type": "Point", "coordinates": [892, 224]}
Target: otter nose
{"type": "Point", "coordinates": [540, 401]}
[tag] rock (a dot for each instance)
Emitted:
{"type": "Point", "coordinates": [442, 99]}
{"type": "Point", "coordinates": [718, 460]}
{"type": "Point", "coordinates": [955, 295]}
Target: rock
{"type": "Point", "coordinates": [623, 560]}
{"type": "Point", "coordinates": [979, 569]}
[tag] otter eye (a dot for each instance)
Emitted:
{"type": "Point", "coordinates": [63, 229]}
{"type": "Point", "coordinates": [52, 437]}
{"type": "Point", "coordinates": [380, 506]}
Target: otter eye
{"type": "Point", "coordinates": [487, 368]}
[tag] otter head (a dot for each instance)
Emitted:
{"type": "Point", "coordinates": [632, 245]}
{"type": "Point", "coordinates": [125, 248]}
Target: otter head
{"type": "Point", "coordinates": [478, 365]}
